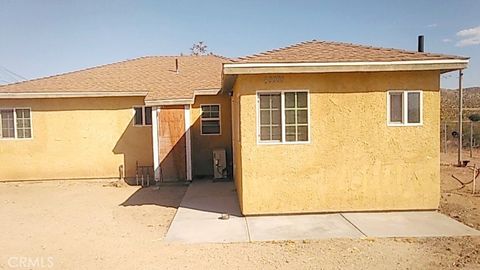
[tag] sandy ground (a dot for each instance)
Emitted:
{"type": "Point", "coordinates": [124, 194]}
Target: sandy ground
{"type": "Point", "coordinates": [90, 225]}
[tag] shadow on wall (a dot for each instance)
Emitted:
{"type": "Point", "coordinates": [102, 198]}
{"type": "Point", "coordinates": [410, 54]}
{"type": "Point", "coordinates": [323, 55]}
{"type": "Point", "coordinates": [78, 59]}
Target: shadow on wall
{"type": "Point", "coordinates": [167, 196]}
{"type": "Point", "coordinates": [203, 145]}
{"type": "Point", "coordinates": [135, 144]}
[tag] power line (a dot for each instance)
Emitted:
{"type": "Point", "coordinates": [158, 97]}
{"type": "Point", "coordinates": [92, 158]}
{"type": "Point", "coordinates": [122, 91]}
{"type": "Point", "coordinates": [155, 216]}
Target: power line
{"type": "Point", "coordinates": [13, 73]}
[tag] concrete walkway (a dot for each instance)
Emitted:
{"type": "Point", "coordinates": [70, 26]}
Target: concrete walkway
{"type": "Point", "coordinates": [198, 221]}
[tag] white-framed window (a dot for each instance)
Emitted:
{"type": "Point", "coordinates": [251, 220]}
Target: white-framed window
{"type": "Point", "coordinates": [283, 117]}
{"type": "Point", "coordinates": [15, 123]}
{"type": "Point", "coordinates": [143, 116]}
{"type": "Point", "coordinates": [404, 108]}
{"type": "Point", "coordinates": [210, 119]}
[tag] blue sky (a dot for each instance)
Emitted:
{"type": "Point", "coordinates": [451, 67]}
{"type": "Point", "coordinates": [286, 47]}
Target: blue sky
{"type": "Point", "coordinates": [40, 38]}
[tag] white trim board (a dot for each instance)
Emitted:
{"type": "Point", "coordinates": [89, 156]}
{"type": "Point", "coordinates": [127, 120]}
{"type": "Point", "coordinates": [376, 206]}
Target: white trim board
{"type": "Point", "coordinates": [155, 143]}
{"type": "Point", "coordinates": [188, 143]}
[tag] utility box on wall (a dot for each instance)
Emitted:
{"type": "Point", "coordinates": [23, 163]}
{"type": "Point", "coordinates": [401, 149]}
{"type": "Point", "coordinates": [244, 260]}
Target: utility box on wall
{"type": "Point", "coordinates": [219, 163]}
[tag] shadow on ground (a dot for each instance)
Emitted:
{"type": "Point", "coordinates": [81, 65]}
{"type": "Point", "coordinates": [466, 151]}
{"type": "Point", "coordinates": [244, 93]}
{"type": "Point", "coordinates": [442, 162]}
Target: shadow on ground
{"type": "Point", "coordinates": [167, 196]}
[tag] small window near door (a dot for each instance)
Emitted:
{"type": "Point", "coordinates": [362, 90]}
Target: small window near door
{"type": "Point", "coordinates": [210, 119]}
{"type": "Point", "coordinates": [143, 116]}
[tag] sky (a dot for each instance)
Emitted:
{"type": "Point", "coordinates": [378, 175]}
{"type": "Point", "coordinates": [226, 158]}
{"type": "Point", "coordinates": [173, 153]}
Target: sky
{"type": "Point", "coordinates": [42, 38]}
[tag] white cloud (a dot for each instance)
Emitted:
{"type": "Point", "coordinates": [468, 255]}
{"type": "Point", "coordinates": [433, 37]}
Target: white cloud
{"type": "Point", "coordinates": [469, 37]}
{"type": "Point", "coordinates": [432, 25]}
{"type": "Point", "coordinates": [446, 40]}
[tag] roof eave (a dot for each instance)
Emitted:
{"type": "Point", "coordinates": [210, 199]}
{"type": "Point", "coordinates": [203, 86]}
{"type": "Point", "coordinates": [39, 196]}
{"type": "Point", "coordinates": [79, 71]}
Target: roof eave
{"type": "Point", "coordinates": [265, 68]}
{"type": "Point", "coordinates": [77, 94]}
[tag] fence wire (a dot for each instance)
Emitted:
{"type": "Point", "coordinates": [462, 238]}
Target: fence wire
{"type": "Point", "coordinates": [449, 133]}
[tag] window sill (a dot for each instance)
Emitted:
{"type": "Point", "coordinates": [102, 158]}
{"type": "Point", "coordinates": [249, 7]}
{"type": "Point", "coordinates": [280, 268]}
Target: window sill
{"type": "Point", "coordinates": [283, 143]}
{"type": "Point", "coordinates": [404, 125]}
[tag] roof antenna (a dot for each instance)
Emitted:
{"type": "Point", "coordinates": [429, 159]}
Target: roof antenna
{"type": "Point", "coordinates": [176, 65]}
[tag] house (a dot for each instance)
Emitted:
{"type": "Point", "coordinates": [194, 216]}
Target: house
{"type": "Point", "coordinates": [313, 127]}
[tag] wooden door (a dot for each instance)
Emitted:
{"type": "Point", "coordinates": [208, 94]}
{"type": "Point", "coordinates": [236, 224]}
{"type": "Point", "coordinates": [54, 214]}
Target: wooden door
{"type": "Point", "coordinates": [171, 130]}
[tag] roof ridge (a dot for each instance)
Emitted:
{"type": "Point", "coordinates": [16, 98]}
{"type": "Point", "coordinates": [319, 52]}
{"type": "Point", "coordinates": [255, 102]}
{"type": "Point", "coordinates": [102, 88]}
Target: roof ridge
{"type": "Point", "coordinates": [345, 44]}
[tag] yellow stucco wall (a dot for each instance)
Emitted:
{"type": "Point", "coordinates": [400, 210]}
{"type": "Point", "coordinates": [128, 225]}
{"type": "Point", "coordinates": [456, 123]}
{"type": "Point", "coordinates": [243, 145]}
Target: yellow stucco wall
{"type": "Point", "coordinates": [354, 161]}
{"type": "Point", "coordinates": [203, 145]}
{"type": "Point", "coordinates": [76, 138]}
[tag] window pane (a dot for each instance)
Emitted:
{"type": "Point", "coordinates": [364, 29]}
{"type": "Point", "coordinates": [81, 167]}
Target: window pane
{"type": "Point", "coordinates": [276, 133]}
{"type": "Point", "coordinates": [148, 115]}
{"type": "Point", "coordinates": [20, 133]}
{"type": "Point", "coordinates": [19, 123]}
{"type": "Point", "coordinates": [290, 133]}
{"type": "Point", "coordinates": [138, 119]}
{"type": "Point", "coordinates": [215, 108]}
{"type": "Point", "coordinates": [265, 133]}
{"type": "Point", "coordinates": [302, 133]}
{"type": "Point", "coordinates": [413, 107]}
{"type": "Point", "coordinates": [290, 117]}
{"type": "Point", "coordinates": [275, 99]}
{"type": "Point", "coordinates": [8, 130]}
{"type": "Point", "coordinates": [28, 133]}
{"type": "Point", "coordinates": [210, 126]}
{"type": "Point", "coordinates": [396, 108]}
{"type": "Point", "coordinates": [301, 100]}
{"type": "Point", "coordinates": [276, 116]}
{"type": "Point", "coordinates": [214, 114]}
{"type": "Point", "coordinates": [302, 116]}
{"type": "Point", "coordinates": [264, 101]}
{"type": "Point", "coordinates": [290, 100]}
{"type": "Point", "coordinates": [264, 117]}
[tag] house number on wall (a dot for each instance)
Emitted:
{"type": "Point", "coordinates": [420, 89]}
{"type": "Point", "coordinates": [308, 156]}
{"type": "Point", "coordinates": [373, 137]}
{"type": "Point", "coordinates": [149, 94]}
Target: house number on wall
{"type": "Point", "coordinates": [273, 79]}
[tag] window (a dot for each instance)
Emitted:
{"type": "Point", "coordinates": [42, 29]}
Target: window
{"type": "Point", "coordinates": [210, 119]}
{"type": "Point", "coordinates": [404, 108]}
{"type": "Point", "coordinates": [143, 116]}
{"type": "Point", "coordinates": [283, 117]}
{"type": "Point", "coordinates": [15, 123]}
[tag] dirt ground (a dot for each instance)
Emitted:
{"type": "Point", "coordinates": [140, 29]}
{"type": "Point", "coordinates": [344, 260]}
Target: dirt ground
{"type": "Point", "coordinates": [91, 225]}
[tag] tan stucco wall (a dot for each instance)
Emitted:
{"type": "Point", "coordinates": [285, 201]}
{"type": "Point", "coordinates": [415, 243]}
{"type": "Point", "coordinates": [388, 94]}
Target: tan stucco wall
{"type": "Point", "coordinates": [203, 145]}
{"type": "Point", "coordinates": [354, 161]}
{"type": "Point", "coordinates": [76, 138]}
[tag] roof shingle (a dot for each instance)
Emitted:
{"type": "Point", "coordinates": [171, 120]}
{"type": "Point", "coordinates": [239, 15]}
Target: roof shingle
{"type": "Point", "coordinates": [153, 74]}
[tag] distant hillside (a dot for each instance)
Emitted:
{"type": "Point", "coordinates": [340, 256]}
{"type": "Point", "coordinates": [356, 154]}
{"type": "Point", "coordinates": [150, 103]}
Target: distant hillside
{"type": "Point", "coordinates": [449, 102]}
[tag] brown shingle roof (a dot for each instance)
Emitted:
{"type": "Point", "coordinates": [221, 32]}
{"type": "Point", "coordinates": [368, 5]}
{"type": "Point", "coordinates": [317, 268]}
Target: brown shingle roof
{"type": "Point", "coordinates": [324, 52]}
{"type": "Point", "coordinates": [153, 74]}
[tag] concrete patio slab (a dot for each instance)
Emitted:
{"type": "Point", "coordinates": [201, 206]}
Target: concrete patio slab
{"type": "Point", "coordinates": [197, 221]}
{"type": "Point", "coordinates": [408, 224]}
{"type": "Point", "coordinates": [197, 218]}
{"type": "Point", "coordinates": [300, 227]}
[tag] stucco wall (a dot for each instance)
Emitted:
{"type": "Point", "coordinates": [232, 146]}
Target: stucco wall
{"type": "Point", "coordinates": [76, 138]}
{"type": "Point", "coordinates": [203, 145]}
{"type": "Point", "coordinates": [354, 160]}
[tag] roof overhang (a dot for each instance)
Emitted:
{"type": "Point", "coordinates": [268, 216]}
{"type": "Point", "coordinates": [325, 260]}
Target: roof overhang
{"type": "Point", "coordinates": [445, 65]}
{"type": "Point", "coordinates": [73, 94]}
{"type": "Point", "coordinates": [183, 101]}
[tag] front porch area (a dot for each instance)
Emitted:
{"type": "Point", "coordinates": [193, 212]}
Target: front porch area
{"type": "Point", "coordinates": [199, 220]}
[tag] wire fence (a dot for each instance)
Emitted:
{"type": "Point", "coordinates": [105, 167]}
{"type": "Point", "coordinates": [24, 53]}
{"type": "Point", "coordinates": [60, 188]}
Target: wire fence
{"type": "Point", "coordinates": [449, 133]}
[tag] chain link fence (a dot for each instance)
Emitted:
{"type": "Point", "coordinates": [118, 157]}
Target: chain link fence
{"type": "Point", "coordinates": [470, 140]}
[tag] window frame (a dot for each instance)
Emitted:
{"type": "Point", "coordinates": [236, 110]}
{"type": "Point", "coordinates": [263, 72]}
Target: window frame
{"type": "Point", "coordinates": [282, 110]}
{"type": "Point", "coordinates": [143, 116]}
{"type": "Point", "coordinates": [15, 122]}
{"type": "Point", "coordinates": [211, 119]}
{"type": "Point", "coordinates": [405, 122]}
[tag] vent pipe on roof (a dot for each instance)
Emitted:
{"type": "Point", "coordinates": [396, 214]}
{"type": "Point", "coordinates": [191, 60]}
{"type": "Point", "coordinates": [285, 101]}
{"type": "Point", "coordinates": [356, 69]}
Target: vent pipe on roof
{"type": "Point", "coordinates": [421, 44]}
{"type": "Point", "coordinates": [176, 65]}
